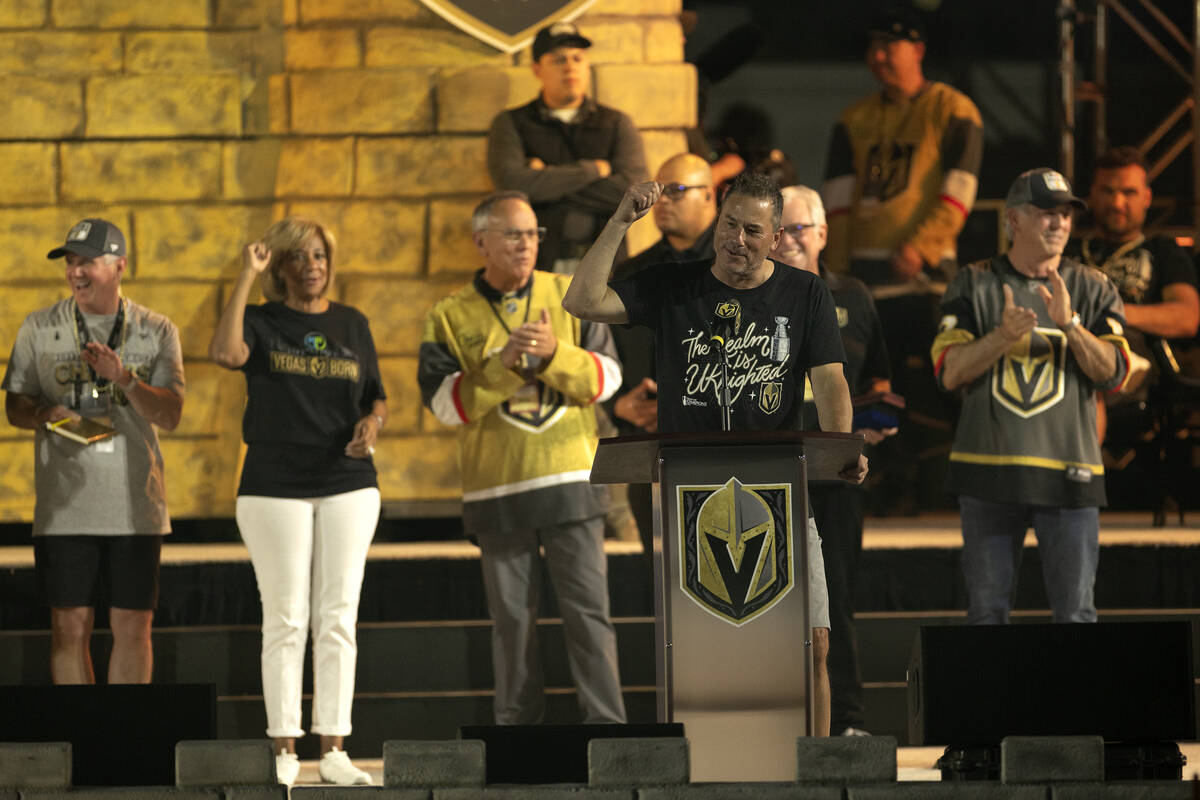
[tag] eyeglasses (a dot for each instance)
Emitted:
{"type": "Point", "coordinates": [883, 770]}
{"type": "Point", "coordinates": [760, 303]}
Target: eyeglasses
{"type": "Point", "coordinates": [673, 191]}
{"type": "Point", "coordinates": [796, 230]}
{"type": "Point", "coordinates": [515, 236]}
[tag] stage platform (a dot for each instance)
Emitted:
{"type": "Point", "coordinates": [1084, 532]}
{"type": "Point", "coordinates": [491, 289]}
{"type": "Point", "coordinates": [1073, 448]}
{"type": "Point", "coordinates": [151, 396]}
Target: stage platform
{"type": "Point", "coordinates": [424, 637]}
{"type": "Point", "coordinates": [912, 764]}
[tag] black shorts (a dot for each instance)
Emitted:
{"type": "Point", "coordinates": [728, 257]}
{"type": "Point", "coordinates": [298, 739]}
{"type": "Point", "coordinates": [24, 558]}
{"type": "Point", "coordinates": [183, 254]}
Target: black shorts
{"type": "Point", "coordinates": [84, 570]}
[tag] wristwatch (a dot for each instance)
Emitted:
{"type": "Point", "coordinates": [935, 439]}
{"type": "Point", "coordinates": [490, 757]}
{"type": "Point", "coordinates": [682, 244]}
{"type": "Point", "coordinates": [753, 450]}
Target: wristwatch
{"type": "Point", "coordinates": [134, 380]}
{"type": "Point", "coordinates": [1074, 321]}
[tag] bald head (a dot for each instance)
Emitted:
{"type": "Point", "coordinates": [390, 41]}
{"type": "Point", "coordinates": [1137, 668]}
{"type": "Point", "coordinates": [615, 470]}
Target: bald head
{"type": "Point", "coordinates": [688, 202]}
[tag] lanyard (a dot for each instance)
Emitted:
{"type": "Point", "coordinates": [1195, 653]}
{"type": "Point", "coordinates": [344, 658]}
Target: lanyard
{"type": "Point", "coordinates": [116, 341]}
{"type": "Point", "coordinates": [1120, 251]}
{"type": "Point", "coordinates": [528, 303]}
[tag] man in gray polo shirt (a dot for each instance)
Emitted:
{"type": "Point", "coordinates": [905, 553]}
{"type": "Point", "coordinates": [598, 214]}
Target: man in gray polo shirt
{"type": "Point", "coordinates": [101, 508]}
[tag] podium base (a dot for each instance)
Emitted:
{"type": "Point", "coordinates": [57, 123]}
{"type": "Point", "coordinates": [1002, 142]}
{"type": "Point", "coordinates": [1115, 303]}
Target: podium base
{"type": "Point", "coordinates": [744, 745]}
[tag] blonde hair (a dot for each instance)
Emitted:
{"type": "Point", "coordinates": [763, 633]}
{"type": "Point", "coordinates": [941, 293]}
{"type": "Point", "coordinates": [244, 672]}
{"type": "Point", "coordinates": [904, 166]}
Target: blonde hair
{"type": "Point", "coordinates": [286, 236]}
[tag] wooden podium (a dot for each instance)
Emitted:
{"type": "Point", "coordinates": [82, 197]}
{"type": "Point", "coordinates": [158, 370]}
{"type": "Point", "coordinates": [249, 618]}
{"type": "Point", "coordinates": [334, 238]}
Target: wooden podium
{"type": "Point", "coordinates": [732, 647]}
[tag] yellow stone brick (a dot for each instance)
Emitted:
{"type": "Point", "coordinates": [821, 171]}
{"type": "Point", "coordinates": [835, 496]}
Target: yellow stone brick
{"type": "Point", "coordinates": [165, 105]}
{"type": "Point", "coordinates": [614, 42]}
{"type": "Point", "coordinates": [195, 242]}
{"type": "Point", "coordinates": [637, 8]}
{"type": "Point", "coordinates": [256, 100]}
{"type": "Point", "coordinates": [369, 10]}
{"type": "Point", "coordinates": [20, 301]}
{"type": "Point", "coordinates": [192, 305]}
{"type": "Point", "coordinates": [91, 14]}
{"type": "Point", "coordinates": [452, 252]}
{"type": "Point", "coordinates": [269, 168]}
{"type": "Point", "coordinates": [664, 41]}
{"type": "Point", "coordinates": [661, 145]}
{"type": "Point", "coordinates": [641, 235]}
{"type": "Point", "coordinates": [62, 53]}
{"type": "Point", "coordinates": [30, 174]}
{"type": "Point", "coordinates": [40, 108]}
{"type": "Point", "coordinates": [253, 52]}
{"type": "Point", "coordinates": [249, 13]}
{"type": "Point", "coordinates": [655, 96]}
{"type": "Point", "coordinates": [361, 101]}
{"type": "Point", "coordinates": [322, 48]}
{"type": "Point", "coordinates": [374, 238]}
{"type": "Point", "coordinates": [213, 402]}
{"type": "Point", "coordinates": [421, 166]}
{"type": "Point", "coordinates": [158, 171]}
{"type": "Point", "coordinates": [28, 234]}
{"type": "Point", "coordinates": [396, 46]}
{"type": "Point", "coordinates": [421, 467]}
{"type": "Point", "coordinates": [201, 475]}
{"type": "Point", "coordinates": [278, 115]}
{"type": "Point", "coordinates": [16, 477]}
{"type": "Point", "coordinates": [468, 99]}
{"type": "Point", "coordinates": [22, 13]}
{"type": "Point", "coordinates": [396, 308]}
{"type": "Point", "coordinates": [404, 397]}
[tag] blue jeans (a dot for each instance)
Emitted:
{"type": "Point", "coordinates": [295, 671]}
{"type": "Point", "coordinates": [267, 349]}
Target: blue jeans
{"type": "Point", "coordinates": [993, 537]}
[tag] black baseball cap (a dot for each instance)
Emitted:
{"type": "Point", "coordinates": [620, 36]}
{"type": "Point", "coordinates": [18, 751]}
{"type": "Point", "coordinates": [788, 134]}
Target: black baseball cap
{"type": "Point", "coordinates": [1043, 188]}
{"type": "Point", "coordinates": [898, 23]}
{"type": "Point", "coordinates": [558, 34]}
{"type": "Point", "coordinates": [90, 238]}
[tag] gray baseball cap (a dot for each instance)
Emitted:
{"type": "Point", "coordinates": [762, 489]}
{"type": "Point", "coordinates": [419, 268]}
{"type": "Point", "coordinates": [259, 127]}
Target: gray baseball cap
{"type": "Point", "coordinates": [90, 238]}
{"type": "Point", "coordinates": [1043, 188]}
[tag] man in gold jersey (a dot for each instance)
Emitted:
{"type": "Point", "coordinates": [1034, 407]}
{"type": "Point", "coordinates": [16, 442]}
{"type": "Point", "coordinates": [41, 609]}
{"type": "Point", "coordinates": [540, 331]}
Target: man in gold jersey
{"type": "Point", "coordinates": [900, 180]}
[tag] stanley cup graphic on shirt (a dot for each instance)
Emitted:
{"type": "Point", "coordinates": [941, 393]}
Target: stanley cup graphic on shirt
{"type": "Point", "coordinates": [780, 344]}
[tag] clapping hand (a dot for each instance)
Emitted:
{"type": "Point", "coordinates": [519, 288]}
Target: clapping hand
{"type": "Point", "coordinates": [1015, 320]}
{"type": "Point", "coordinates": [1057, 299]}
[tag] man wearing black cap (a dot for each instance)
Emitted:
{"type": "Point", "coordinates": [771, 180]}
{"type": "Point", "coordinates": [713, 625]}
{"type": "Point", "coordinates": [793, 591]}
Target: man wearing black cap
{"type": "Point", "coordinates": [1030, 336]}
{"type": "Point", "coordinates": [101, 508]}
{"type": "Point", "coordinates": [571, 155]}
{"type": "Point", "coordinates": [900, 180]}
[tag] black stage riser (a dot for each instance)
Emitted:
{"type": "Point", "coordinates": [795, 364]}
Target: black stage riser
{"type": "Point", "coordinates": [224, 593]}
{"type": "Point", "coordinates": [1125, 682]}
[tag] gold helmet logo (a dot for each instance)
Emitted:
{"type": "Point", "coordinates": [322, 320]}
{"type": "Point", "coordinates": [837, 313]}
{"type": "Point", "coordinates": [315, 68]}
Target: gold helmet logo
{"type": "Point", "coordinates": [737, 551]}
{"type": "Point", "coordinates": [1029, 379]}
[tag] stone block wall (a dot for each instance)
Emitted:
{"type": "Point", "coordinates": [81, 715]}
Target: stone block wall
{"type": "Point", "coordinates": [193, 124]}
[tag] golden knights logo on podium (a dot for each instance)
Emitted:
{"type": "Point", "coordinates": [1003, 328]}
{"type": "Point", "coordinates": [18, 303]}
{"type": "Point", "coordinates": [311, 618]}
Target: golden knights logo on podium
{"type": "Point", "coordinates": [735, 547]}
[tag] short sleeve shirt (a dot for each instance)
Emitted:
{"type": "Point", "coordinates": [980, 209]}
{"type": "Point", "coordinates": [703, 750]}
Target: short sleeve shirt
{"type": "Point", "coordinates": [774, 334]}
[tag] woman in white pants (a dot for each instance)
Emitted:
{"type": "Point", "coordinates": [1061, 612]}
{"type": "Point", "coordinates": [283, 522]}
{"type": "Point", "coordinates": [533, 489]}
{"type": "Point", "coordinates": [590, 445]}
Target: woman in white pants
{"type": "Point", "coordinates": [308, 500]}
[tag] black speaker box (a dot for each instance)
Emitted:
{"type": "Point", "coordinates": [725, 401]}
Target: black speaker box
{"type": "Point", "coordinates": [1124, 681]}
{"type": "Point", "coordinates": [550, 753]}
{"type": "Point", "coordinates": [120, 735]}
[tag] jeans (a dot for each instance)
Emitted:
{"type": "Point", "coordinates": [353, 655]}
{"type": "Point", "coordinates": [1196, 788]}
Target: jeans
{"type": "Point", "coordinates": [309, 556]}
{"type": "Point", "coordinates": [993, 541]}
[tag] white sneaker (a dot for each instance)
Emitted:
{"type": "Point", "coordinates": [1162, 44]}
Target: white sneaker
{"type": "Point", "coordinates": [335, 767]}
{"type": "Point", "coordinates": [287, 768]}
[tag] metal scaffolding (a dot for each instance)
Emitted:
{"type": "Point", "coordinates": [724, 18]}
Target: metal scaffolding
{"type": "Point", "coordinates": [1183, 118]}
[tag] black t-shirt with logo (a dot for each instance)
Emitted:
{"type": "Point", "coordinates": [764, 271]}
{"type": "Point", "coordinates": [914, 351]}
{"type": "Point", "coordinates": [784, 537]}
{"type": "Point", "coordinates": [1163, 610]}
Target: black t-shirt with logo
{"type": "Point", "coordinates": [309, 379]}
{"type": "Point", "coordinates": [775, 333]}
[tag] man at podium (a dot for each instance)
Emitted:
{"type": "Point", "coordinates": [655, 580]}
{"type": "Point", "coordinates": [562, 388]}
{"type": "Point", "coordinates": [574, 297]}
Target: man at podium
{"type": "Point", "coordinates": [734, 337]}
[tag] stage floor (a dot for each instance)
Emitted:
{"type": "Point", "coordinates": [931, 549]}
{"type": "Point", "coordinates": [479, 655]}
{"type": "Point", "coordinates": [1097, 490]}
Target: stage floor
{"type": "Point", "coordinates": [938, 531]}
{"type": "Point", "coordinates": [912, 764]}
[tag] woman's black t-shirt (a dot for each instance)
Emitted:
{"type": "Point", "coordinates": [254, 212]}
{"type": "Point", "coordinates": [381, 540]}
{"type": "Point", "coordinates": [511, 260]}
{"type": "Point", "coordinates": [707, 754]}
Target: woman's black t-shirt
{"type": "Point", "coordinates": [775, 333]}
{"type": "Point", "coordinates": [309, 379]}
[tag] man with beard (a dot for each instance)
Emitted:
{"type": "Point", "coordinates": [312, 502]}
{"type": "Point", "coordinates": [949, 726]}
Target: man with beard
{"type": "Point", "coordinates": [678, 302]}
{"type": "Point", "coordinates": [1030, 336]}
{"type": "Point", "coordinates": [684, 212]}
{"type": "Point", "coordinates": [838, 509]}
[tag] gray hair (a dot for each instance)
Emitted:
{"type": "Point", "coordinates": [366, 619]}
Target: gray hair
{"type": "Point", "coordinates": [479, 217]}
{"type": "Point", "coordinates": [810, 198]}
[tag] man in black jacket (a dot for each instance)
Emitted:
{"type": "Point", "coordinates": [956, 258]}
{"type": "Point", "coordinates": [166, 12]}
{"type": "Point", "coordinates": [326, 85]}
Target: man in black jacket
{"type": "Point", "coordinates": [571, 155]}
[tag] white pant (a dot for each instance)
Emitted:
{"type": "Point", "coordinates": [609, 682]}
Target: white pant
{"type": "Point", "coordinates": [309, 556]}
